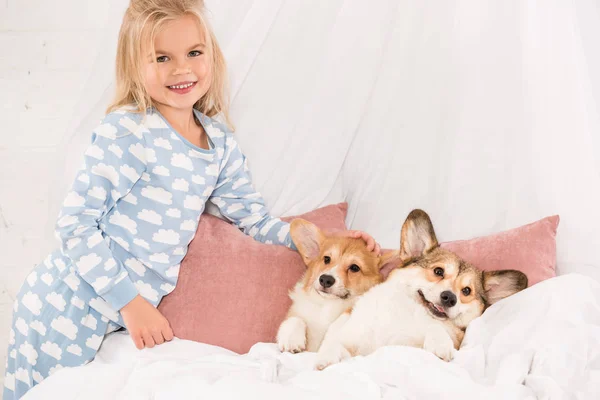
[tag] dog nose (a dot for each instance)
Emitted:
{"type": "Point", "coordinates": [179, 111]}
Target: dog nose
{"type": "Point", "coordinates": [448, 298]}
{"type": "Point", "coordinates": [326, 281]}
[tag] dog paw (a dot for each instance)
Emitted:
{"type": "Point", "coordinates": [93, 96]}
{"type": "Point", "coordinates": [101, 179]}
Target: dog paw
{"type": "Point", "coordinates": [331, 355]}
{"type": "Point", "coordinates": [441, 346]}
{"type": "Point", "coordinates": [292, 336]}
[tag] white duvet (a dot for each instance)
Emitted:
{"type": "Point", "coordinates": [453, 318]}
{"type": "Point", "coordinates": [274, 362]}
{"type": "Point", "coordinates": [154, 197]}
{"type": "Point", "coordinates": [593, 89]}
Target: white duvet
{"type": "Point", "coordinates": [543, 343]}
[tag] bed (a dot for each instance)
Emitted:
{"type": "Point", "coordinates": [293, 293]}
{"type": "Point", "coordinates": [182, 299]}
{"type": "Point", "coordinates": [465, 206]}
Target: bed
{"type": "Point", "coordinates": [543, 343]}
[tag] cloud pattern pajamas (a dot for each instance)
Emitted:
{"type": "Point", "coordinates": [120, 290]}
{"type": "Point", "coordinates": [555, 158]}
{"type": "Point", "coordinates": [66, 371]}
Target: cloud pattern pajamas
{"type": "Point", "coordinates": [124, 228]}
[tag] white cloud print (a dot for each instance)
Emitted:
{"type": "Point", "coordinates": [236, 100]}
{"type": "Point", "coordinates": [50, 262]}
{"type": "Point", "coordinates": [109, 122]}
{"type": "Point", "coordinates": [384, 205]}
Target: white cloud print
{"type": "Point", "coordinates": [108, 172]}
{"type": "Point", "coordinates": [214, 132]}
{"type": "Point", "coordinates": [180, 160]}
{"type": "Point", "coordinates": [188, 225]}
{"type": "Point", "coordinates": [150, 216]}
{"type": "Point", "coordinates": [95, 152]}
{"type": "Point", "coordinates": [65, 326]}
{"type": "Point", "coordinates": [22, 375]}
{"type": "Point", "coordinates": [164, 143]}
{"type": "Point", "coordinates": [32, 302]}
{"type": "Point", "coordinates": [146, 291]}
{"type": "Point", "coordinates": [56, 300]}
{"type": "Point", "coordinates": [130, 198]}
{"type": "Point", "coordinates": [94, 240]}
{"type": "Point", "coordinates": [74, 349]}
{"type": "Point", "coordinates": [160, 258]}
{"type": "Point", "coordinates": [212, 170]}
{"type": "Point", "coordinates": [173, 213]}
{"type": "Point", "coordinates": [193, 202]}
{"type": "Point", "coordinates": [157, 194]}
{"type": "Point", "coordinates": [161, 170]}
{"type": "Point", "coordinates": [116, 150]}
{"type": "Point", "coordinates": [139, 151]}
{"type": "Point", "coordinates": [89, 321]}
{"type": "Point", "coordinates": [235, 207]}
{"type": "Point", "coordinates": [94, 342]}
{"type": "Point", "coordinates": [29, 353]}
{"type": "Point", "coordinates": [129, 173]}
{"type": "Point", "coordinates": [181, 185]}
{"type": "Point", "coordinates": [106, 130]}
{"type": "Point", "coordinates": [73, 199]}
{"type": "Point", "coordinates": [283, 232]}
{"type": "Point", "coordinates": [234, 167]}
{"type": "Point", "coordinates": [196, 154]}
{"type": "Point", "coordinates": [22, 327]}
{"type": "Point", "coordinates": [173, 271]}
{"type": "Point", "coordinates": [136, 266]}
{"type": "Point", "coordinates": [239, 183]}
{"type": "Point", "coordinates": [52, 349]}
{"type": "Point", "coordinates": [100, 283]}
{"type": "Point", "coordinates": [123, 221]}
{"type": "Point", "coordinates": [38, 326]}
{"type": "Point", "coordinates": [142, 243]}
{"type": "Point", "coordinates": [167, 236]}
{"type": "Point", "coordinates": [98, 192]}
{"type": "Point", "coordinates": [198, 179]}
{"type": "Point", "coordinates": [87, 262]}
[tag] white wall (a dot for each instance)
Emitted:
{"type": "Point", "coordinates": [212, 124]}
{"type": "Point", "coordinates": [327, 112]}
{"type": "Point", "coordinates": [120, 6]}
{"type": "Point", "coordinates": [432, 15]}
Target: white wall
{"type": "Point", "coordinates": [47, 50]}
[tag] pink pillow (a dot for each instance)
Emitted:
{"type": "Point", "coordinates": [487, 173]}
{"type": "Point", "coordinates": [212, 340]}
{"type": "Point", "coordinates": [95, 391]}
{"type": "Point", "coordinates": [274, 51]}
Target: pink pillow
{"type": "Point", "coordinates": [232, 290]}
{"type": "Point", "coordinates": [530, 249]}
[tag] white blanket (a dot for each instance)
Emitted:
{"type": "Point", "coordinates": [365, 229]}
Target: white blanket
{"type": "Point", "coordinates": [541, 343]}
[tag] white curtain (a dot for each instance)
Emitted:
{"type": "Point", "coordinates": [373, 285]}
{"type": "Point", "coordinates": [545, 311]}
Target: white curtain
{"type": "Point", "coordinates": [486, 114]}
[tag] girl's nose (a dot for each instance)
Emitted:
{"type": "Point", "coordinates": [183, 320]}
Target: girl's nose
{"type": "Point", "coordinates": [182, 68]}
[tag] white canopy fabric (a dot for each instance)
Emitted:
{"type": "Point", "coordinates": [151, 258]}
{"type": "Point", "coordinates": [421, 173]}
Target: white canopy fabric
{"type": "Point", "coordinates": [484, 113]}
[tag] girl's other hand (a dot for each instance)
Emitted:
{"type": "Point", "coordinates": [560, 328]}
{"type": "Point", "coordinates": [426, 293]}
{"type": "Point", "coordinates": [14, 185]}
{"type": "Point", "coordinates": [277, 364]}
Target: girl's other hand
{"type": "Point", "coordinates": [146, 325]}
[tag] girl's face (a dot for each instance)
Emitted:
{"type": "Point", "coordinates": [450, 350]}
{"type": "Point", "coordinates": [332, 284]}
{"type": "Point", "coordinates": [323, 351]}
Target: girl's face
{"type": "Point", "coordinates": [181, 73]}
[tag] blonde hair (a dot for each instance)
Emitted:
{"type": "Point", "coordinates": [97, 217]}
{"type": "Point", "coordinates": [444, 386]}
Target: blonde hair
{"type": "Point", "coordinates": [142, 20]}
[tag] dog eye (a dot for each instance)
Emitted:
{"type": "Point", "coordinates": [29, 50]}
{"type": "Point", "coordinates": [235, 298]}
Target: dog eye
{"type": "Point", "coordinates": [327, 259]}
{"type": "Point", "coordinates": [466, 291]}
{"type": "Point", "coordinates": [439, 271]}
{"type": "Point", "coordinates": [354, 268]}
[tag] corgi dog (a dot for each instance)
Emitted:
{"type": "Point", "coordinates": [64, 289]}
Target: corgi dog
{"type": "Point", "coordinates": [427, 302]}
{"type": "Point", "coordinates": [339, 270]}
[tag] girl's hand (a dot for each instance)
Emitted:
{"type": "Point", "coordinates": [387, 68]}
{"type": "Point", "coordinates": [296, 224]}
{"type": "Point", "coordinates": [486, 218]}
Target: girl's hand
{"type": "Point", "coordinates": [146, 325]}
{"type": "Point", "coordinates": [372, 245]}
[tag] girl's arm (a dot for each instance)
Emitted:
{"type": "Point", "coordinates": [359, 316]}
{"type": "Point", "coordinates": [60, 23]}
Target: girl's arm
{"type": "Point", "coordinates": [113, 163]}
{"type": "Point", "coordinates": [240, 203]}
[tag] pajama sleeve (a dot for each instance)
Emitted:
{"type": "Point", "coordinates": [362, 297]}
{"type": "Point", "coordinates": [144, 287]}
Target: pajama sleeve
{"type": "Point", "coordinates": [241, 204]}
{"type": "Point", "coordinates": [113, 163]}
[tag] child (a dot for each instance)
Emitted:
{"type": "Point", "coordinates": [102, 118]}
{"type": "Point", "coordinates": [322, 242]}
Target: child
{"type": "Point", "coordinates": [134, 207]}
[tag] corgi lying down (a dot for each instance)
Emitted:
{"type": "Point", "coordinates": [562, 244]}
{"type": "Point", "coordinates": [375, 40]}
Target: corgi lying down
{"type": "Point", "coordinates": [428, 302]}
{"type": "Point", "coordinates": [339, 269]}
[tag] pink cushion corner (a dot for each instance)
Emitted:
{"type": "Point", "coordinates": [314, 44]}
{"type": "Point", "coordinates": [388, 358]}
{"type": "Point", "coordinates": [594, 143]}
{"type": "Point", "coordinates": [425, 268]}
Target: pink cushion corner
{"type": "Point", "coordinates": [232, 290]}
{"type": "Point", "coordinates": [530, 249]}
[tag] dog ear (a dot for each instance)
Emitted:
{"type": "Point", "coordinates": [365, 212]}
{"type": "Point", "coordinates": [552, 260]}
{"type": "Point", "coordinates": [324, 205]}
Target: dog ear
{"type": "Point", "coordinates": [503, 283]}
{"type": "Point", "coordinates": [417, 237]}
{"type": "Point", "coordinates": [389, 260]}
{"type": "Point", "coordinates": [307, 237]}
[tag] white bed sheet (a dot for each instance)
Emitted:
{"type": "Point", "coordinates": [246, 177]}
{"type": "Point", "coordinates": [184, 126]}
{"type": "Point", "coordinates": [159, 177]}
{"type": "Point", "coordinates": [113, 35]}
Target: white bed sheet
{"type": "Point", "coordinates": [543, 343]}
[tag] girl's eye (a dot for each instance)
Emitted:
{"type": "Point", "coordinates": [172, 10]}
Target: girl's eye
{"type": "Point", "coordinates": [162, 59]}
{"type": "Point", "coordinates": [194, 53]}
{"type": "Point", "coordinates": [354, 268]}
{"type": "Point", "coordinates": [327, 259]}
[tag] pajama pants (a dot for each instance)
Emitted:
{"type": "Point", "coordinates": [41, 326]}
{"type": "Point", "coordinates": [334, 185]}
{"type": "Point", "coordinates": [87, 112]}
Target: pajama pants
{"type": "Point", "coordinates": [52, 328]}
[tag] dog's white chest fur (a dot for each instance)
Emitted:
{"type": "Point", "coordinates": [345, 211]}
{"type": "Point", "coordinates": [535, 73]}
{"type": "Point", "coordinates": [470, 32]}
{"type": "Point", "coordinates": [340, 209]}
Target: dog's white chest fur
{"type": "Point", "coordinates": [391, 314]}
{"type": "Point", "coordinates": [316, 313]}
